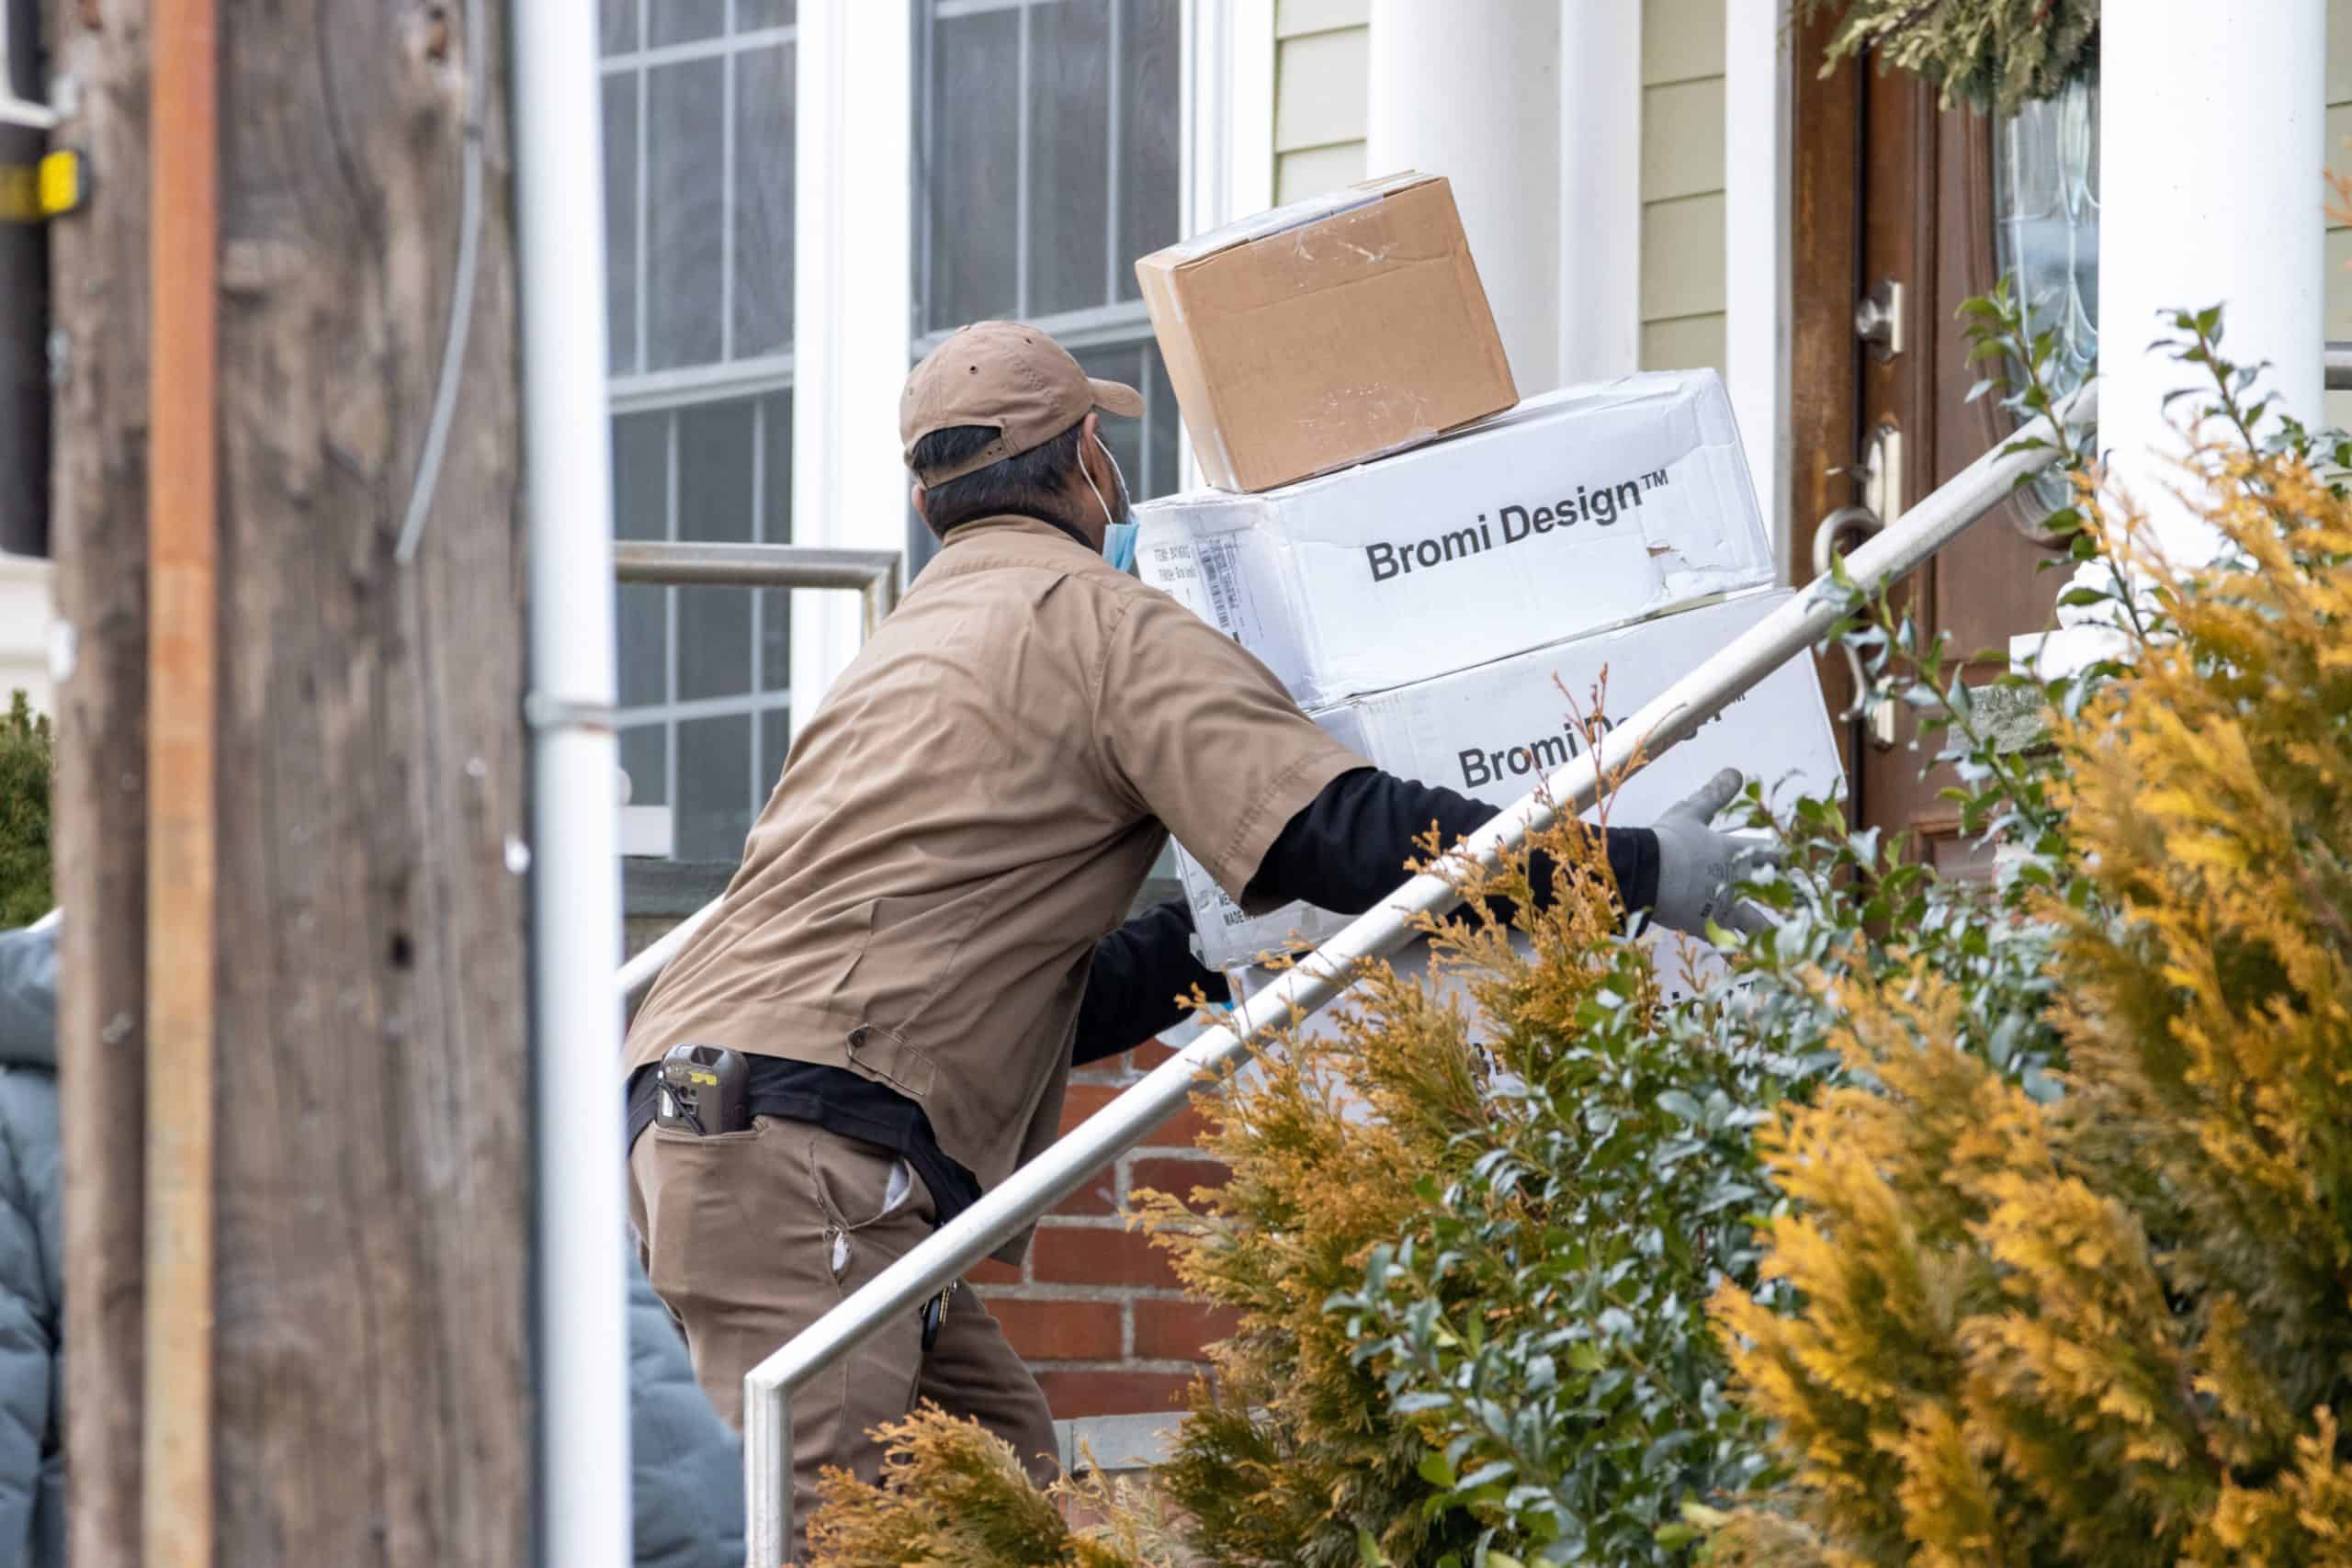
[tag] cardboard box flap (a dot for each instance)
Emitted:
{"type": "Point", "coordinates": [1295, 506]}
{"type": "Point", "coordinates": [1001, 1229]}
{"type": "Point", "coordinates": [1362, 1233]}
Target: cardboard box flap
{"type": "Point", "coordinates": [1277, 219]}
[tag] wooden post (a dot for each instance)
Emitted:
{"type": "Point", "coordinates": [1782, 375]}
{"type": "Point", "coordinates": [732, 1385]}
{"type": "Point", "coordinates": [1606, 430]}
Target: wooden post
{"type": "Point", "coordinates": [370, 1228]}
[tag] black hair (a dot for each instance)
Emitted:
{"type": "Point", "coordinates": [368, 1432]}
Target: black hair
{"type": "Point", "coordinates": [1030, 483]}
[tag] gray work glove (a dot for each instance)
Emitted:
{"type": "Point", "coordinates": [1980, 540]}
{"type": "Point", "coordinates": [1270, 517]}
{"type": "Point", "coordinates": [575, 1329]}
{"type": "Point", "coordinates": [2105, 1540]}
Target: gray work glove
{"type": "Point", "coordinates": [1697, 865]}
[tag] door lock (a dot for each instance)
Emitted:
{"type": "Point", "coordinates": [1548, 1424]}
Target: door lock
{"type": "Point", "coordinates": [1878, 319]}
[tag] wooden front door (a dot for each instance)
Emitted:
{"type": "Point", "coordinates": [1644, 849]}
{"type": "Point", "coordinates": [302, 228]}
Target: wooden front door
{"type": "Point", "coordinates": [1893, 204]}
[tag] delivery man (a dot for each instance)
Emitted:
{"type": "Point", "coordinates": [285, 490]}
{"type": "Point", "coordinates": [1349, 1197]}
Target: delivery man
{"type": "Point", "coordinates": [902, 959]}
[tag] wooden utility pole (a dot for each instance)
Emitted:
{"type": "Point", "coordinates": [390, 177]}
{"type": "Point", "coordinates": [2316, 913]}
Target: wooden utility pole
{"type": "Point", "coordinates": [368, 1347]}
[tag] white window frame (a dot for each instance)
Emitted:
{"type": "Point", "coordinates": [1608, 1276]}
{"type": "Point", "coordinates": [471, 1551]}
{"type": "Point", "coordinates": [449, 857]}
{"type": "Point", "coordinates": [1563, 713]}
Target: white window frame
{"type": "Point", "coordinates": [668, 392]}
{"type": "Point", "coordinates": [854, 233]}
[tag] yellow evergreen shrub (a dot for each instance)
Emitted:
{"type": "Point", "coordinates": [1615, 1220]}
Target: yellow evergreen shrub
{"type": "Point", "coordinates": [2112, 1328]}
{"type": "Point", "coordinates": [955, 1496]}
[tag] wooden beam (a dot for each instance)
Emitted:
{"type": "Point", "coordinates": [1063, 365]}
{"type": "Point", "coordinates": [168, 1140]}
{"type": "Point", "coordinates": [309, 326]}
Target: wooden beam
{"type": "Point", "coordinates": [183, 552]}
{"type": "Point", "coordinates": [369, 1190]}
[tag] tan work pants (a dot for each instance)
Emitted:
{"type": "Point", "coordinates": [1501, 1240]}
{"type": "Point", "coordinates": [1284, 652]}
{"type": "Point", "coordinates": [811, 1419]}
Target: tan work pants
{"type": "Point", "coordinates": [750, 1236]}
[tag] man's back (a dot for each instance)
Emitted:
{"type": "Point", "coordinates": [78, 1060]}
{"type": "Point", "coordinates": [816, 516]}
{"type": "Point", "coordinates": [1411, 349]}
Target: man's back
{"type": "Point", "coordinates": [952, 832]}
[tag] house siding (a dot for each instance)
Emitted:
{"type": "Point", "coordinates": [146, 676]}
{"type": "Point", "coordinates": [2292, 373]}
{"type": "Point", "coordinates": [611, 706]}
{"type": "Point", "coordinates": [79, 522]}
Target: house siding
{"type": "Point", "coordinates": [1321, 77]}
{"type": "Point", "coordinates": [1682, 291]}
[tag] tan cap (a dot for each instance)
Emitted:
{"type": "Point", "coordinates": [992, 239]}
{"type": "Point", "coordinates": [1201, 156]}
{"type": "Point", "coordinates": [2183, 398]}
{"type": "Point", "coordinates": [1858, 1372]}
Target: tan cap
{"type": "Point", "coordinates": [1013, 379]}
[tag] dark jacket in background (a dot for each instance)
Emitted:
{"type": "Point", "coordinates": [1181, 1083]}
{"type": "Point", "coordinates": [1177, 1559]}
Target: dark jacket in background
{"type": "Point", "coordinates": [32, 1461]}
{"type": "Point", "coordinates": [688, 1480]}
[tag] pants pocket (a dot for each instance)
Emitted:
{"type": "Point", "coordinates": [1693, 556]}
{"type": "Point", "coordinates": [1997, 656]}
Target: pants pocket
{"type": "Point", "coordinates": [700, 1204]}
{"type": "Point", "coordinates": [857, 1186]}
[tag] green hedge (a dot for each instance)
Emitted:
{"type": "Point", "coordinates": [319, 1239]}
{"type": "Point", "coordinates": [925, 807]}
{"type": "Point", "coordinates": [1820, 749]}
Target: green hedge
{"type": "Point", "coordinates": [28, 763]}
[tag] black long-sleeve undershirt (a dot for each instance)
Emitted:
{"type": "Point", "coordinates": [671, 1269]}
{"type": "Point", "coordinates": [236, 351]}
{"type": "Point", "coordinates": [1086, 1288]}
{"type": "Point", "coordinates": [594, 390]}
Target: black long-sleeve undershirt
{"type": "Point", "coordinates": [1345, 851]}
{"type": "Point", "coordinates": [1348, 849]}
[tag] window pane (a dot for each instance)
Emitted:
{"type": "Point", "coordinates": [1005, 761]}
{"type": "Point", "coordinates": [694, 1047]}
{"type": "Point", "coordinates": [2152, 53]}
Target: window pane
{"type": "Point", "coordinates": [640, 511]}
{"type": "Point", "coordinates": [645, 758]}
{"type": "Point", "coordinates": [921, 544]}
{"type": "Point", "coordinates": [683, 21]}
{"type": "Point", "coordinates": [775, 528]}
{"type": "Point", "coordinates": [1069, 52]}
{"type": "Point", "coordinates": [971, 168]}
{"type": "Point", "coordinates": [776, 740]}
{"type": "Point", "coordinates": [1123, 437]}
{"type": "Point", "coordinates": [714, 788]}
{"type": "Point", "coordinates": [752, 14]}
{"type": "Point", "coordinates": [1147, 136]}
{"type": "Point", "coordinates": [620, 221]}
{"type": "Point", "coordinates": [616, 27]}
{"type": "Point", "coordinates": [763, 187]}
{"type": "Point", "coordinates": [1165, 463]}
{"type": "Point", "coordinates": [714, 503]}
{"type": "Point", "coordinates": [685, 112]}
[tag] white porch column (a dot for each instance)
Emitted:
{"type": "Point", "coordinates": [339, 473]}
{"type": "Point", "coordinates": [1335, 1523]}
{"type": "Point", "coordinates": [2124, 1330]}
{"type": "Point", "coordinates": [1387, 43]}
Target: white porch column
{"type": "Point", "coordinates": [853, 230]}
{"type": "Point", "coordinates": [1599, 225]}
{"type": "Point", "coordinates": [2212, 144]}
{"type": "Point", "coordinates": [1472, 92]}
{"type": "Point", "coordinates": [1757, 125]}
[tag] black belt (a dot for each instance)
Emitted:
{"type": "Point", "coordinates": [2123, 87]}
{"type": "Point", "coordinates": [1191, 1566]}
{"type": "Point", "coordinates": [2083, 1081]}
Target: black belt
{"type": "Point", "coordinates": [843, 1103]}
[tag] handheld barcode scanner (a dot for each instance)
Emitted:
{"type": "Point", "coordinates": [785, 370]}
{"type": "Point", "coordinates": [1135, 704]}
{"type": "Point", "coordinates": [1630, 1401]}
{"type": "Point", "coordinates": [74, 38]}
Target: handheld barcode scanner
{"type": "Point", "coordinates": [704, 1089]}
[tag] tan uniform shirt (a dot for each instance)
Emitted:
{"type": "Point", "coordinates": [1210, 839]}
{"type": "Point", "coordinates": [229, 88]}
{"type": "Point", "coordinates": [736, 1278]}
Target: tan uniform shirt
{"type": "Point", "coordinates": [975, 804]}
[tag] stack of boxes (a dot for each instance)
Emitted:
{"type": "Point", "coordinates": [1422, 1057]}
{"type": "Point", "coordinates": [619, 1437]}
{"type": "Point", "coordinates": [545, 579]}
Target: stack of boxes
{"type": "Point", "coordinates": [1440, 573]}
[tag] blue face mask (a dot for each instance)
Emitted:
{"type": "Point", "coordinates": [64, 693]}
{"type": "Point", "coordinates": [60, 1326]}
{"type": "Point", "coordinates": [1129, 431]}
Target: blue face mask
{"type": "Point", "coordinates": [1118, 535]}
{"type": "Point", "coordinates": [1119, 547]}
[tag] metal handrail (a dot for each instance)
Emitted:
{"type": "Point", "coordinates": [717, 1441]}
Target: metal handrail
{"type": "Point", "coordinates": [877, 575]}
{"type": "Point", "coordinates": [2335, 366]}
{"type": "Point", "coordinates": [1033, 1190]}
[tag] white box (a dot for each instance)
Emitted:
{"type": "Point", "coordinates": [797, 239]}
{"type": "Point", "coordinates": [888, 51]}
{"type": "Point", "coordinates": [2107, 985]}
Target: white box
{"type": "Point", "coordinates": [1493, 731]}
{"type": "Point", "coordinates": [1587, 508]}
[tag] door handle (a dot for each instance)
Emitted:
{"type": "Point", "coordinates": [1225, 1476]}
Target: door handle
{"type": "Point", "coordinates": [1879, 713]}
{"type": "Point", "coordinates": [1880, 476]}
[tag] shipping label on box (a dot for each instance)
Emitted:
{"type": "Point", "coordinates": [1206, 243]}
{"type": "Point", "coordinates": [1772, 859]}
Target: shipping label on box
{"type": "Point", "coordinates": [1578, 511]}
{"type": "Point", "coordinates": [1326, 331]}
{"type": "Point", "coordinates": [1493, 732]}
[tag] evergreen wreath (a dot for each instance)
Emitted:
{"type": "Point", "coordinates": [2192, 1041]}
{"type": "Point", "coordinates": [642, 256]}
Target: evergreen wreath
{"type": "Point", "coordinates": [1993, 54]}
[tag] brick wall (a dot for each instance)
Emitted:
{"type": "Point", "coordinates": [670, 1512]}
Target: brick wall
{"type": "Point", "coordinates": [1095, 1307]}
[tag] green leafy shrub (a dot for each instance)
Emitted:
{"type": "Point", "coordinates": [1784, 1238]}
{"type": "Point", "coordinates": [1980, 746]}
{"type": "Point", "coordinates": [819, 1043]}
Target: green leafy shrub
{"type": "Point", "coordinates": [28, 768]}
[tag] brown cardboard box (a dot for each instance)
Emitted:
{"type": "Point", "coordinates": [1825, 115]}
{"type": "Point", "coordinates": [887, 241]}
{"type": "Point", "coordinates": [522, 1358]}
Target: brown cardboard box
{"type": "Point", "coordinates": [1326, 331]}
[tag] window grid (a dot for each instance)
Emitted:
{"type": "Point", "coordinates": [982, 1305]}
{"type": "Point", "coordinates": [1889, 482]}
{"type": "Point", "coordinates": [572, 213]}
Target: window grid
{"type": "Point", "coordinates": [760, 705]}
{"type": "Point", "coordinates": [1117, 321]}
{"type": "Point", "coordinates": [672, 391]}
{"type": "Point", "coordinates": [728, 49]}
